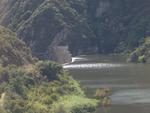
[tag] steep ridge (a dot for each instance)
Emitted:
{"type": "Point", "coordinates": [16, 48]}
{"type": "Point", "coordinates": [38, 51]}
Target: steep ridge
{"type": "Point", "coordinates": [102, 26]}
{"type": "Point", "coordinates": [119, 24]}
{"type": "Point", "coordinates": [38, 22]}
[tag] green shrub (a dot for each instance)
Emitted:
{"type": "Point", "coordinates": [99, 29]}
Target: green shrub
{"type": "Point", "coordinates": [49, 69]}
{"type": "Point", "coordinates": [74, 104]}
{"type": "Point", "coordinates": [142, 59]}
{"type": "Point", "coordinates": [142, 53]}
{"type": "Point", "coordinates": [25, 94]}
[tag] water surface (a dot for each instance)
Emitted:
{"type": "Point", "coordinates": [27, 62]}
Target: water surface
{"type": "Point", "coordinates": [130, 83]}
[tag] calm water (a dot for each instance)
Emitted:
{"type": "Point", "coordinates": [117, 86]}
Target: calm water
{"type": "Point", "coordinates": [130, 83]}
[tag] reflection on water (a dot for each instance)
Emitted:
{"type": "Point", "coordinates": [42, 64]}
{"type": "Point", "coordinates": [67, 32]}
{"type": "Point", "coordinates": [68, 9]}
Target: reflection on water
{"type": "Point", "coordinates": [131, 96]}
{"type": "Point", "coordinates": [130, 83]}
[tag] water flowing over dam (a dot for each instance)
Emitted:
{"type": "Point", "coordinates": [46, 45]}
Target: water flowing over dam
{"type": "Point", "coordinates": [92, 65]}
{"type": "Point", "coordinates": [130, 83]}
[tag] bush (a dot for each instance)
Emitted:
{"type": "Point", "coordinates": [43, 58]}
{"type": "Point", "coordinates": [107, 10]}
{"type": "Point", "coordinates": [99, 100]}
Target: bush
{"type": "Point", "coordinates": [25, 94]}
{"type": "Point", "coordinates": [142, 53]}
{"type": "Point", "coordinates": [49, 69]}
{"type": "Point", "coordinates": [142, 59]}
{"type": "Point", "coordinates": [74, 104]}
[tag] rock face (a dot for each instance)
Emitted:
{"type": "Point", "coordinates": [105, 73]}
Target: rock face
{"type": "Point", "coordinates": [119, 24]}
{"type": "Point", "coordinates": [40, 23]}
{"type": "Point", "coordinates": [102, 7]}
{"type": "Point", "coordinates": [103, 26]}
{"type": "Point", "coordinates": [5, 6]}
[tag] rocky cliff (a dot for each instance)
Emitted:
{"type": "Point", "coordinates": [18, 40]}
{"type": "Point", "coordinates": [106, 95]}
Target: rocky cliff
{"type": "Point", "coordinates": [119, 24]}
{"type": "Point", "coordinates": [102, 26]}
{"type": "Point", "coordinates": [39, 22]}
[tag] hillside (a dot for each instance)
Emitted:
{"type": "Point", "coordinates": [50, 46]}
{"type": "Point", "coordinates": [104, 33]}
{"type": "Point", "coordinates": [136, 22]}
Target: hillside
{"type": "Point", "coordinates": [119, 24]}
{"type": "Point", "coordinates": [85, 26]}
{"type": "Point", "coordinates": [27, 86]}
{"type": "Point", "coordinates": [41, 88]}
{"type": "Point", "coordinates": [57, 30]}
{"type": "Point", "coordinates": [40, 22]}
{"type": "Point", "coordinates": [13, 50]}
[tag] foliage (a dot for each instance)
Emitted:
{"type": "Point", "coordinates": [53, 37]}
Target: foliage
{"type": "Point", "coordinates": [119, 24]}
{"type": "Point", "coordinates": [49, 69]}
{"type": "Point", "coordinates": [13, 50]}
{"type": "Point", "coordinates": [142, 53]}
{"type": "Point", "coordinates": [38, 22]}
{"type": "Point", "coordinates": [29, 91]}
{"type": "Point", "coordinates": [93, 25]}
{"type": "Point", "coordinates": [74, 104]}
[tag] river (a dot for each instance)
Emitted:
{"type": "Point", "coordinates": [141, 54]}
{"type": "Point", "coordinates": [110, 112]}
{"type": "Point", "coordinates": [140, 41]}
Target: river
{"type": "Point", "coordinates": [129, 83]}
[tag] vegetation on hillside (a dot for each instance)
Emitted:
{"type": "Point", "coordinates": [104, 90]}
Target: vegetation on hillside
{"type": "Point", "coordinates": [42, 88]}
{"type": "Point", "coordinates": [142, 53]}
{"type": "Point", "coordinates": [13, 50]}
{"type": "Point", "coordinates": [38, 22]}
{"type": "Point", "coordinates": [119, 25]}
{"type": "Point", "coordinates": [30, 86]}
{"type": "Point", "coordinates": [86, 26]}
{"type": "Point", "coordinates": [92, 25]}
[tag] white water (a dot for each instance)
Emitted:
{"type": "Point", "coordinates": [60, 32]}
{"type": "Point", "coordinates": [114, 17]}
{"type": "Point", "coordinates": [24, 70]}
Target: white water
{"type": "Point", "coordinates": [91, 65]}
{"type": "Point", "coordinates": [74, 59]}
